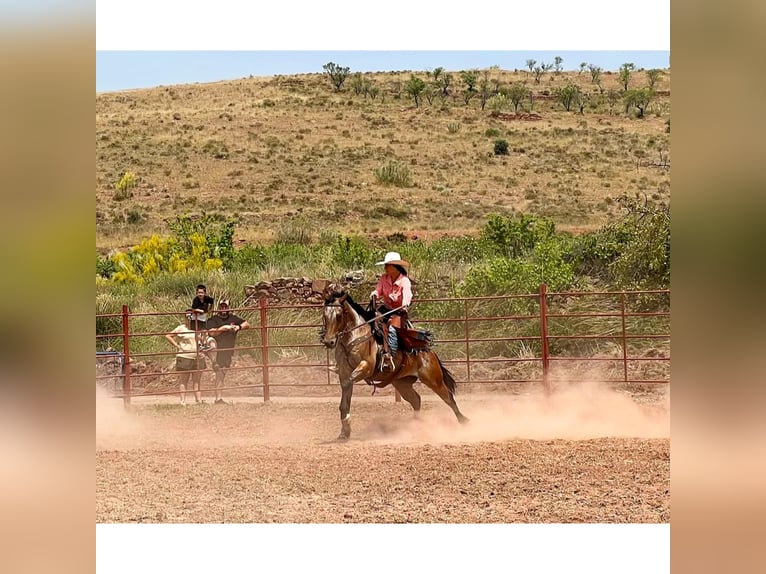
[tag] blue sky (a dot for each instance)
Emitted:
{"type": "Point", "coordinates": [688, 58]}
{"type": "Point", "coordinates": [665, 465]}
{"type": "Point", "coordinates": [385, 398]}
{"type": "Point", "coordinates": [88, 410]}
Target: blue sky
{"type": "Point", "coordinates": [121, 70]}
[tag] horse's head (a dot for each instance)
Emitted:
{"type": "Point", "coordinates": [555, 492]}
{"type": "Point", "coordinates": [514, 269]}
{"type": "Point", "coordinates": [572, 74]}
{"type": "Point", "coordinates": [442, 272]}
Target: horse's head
{"type": "Point", "coordinates": [332, 315]}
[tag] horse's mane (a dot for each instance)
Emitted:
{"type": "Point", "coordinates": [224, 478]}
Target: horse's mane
{"type": "Point", "coordinates": [361, 311]}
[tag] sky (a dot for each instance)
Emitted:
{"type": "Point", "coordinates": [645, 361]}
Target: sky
{"type": "Point", "coordinates": [123, 70]}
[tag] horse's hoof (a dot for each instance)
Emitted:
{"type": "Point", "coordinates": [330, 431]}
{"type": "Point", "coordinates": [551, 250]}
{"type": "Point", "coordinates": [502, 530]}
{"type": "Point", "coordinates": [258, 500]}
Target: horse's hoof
{"type": "Point", "coordinates": [342, 437]}
{"type": "Point", "coordinates": [464, 420]}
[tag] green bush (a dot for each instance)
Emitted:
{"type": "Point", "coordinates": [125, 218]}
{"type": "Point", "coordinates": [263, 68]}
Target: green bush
{"type": "Point", "coordinates": [514, 236]}
{"type": "Point", "coordinates": [122, 189]}
{"type": "Point", "coordinates": [501, 147]}
{"type": "Point", "coordinates": [216, 229]}
{"type": "Point", "coordinates": [492, 132]}
{"type": "Point", "coordinates": [508, 276]}
{"type": "Point", "coordinates": [394, 173]}
{"type": "Point", "coordinates": [352, 253]}
{"type": "Point", "coordinates": [104, 267]}
{"type": "Point", "coordinates": [249, 257]}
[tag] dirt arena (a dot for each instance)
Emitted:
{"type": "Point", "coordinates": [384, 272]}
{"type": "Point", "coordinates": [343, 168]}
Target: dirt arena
{"type": "Point", "coordinates": [585, 454]}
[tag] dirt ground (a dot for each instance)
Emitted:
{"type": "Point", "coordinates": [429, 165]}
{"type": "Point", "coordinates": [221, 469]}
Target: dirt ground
{"type": "Point", "coordinates": [586, 454]}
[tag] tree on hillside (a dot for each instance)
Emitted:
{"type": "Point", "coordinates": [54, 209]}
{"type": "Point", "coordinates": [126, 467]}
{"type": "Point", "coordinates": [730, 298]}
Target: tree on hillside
{"type": "Point", "coordinates": [653, 76]}
{"type": "Point", "coordinates": [395, 88]}
{"type": "Point", "coordinates": [626, 72]}
{"type": "Point", "coordinates": [595, 74]}
{"type": "Point", "coordinates": [632, 252]}
{"type": "Point", "coordinates": [568, 95]}
{"type": "Point", "coordinates": [429, 92]}
{"type": "Point", "coordinates": [445, 81]}
{"type": "Point", "coordinates": [437, 73]}
{"type": "Point", "coordinates": [645, 261]}
{"type": "Point", "coordinates": [337, 74]}
{"type": "Point", "coordinates": [639, 98]}
{"type": "Point", "coordinates": [517, 93]}
{"type": "Point", "coordinates": [531, 64]}
{"type": "Point", "coordinates": [538, 72]}
{"type": "Point", "coordinates": [583, 65]}
{"type": "Point", "coordinates": [357, 83]}
{"type": "Point", "coordinates": [470, 78]}
{"type": "Point", "coordinates": [415, 87]}
{"type": "Point", "coordinates": [612, 97]}
{"type": "Point", "coordinates": [486, 90]}
{"type": "Point", "coordinates": [557, 65]}
{"type": "Point", "coordinates": [499, 102]}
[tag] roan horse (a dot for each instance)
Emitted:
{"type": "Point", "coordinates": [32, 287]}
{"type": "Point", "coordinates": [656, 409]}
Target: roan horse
{"type": "Point", "coordinates": [346, 328]}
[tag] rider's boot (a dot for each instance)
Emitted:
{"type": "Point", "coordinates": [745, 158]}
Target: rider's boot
{"type": "Point", "coordinates": [386, 361]}
{"type": "Point", "coordinates": [388, 357]}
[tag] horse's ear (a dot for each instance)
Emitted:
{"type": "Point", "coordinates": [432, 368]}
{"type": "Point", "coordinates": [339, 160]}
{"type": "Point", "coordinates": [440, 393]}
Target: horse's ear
{"type": "Point", "coordinates": [332, 290]}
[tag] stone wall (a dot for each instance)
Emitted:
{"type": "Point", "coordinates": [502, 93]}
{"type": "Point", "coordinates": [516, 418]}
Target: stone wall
{"type": "Point", "coordinates": [299, 289]}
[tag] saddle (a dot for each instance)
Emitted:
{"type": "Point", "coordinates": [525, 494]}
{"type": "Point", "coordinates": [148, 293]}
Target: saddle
{"type": "Point", "coordinates": [410, 339]}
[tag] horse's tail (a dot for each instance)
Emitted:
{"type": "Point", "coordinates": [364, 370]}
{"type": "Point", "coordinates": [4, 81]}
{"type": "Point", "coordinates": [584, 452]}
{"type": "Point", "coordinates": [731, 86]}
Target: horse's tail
{"type": "Point", "coordinates": [449, 380]}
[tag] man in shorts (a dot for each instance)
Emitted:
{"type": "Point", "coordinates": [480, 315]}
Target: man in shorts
{"type": "Point", "coordinates": [189, 361]}
{"type": "Point", "coordinates": [224, 326]}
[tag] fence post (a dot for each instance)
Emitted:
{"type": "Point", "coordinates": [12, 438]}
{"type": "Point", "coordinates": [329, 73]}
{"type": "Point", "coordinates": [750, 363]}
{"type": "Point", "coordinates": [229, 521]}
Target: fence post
{"type": "Point", "coordinates": [264, 348]}
{"type": "Point", "coordinates": [624, 342]}
{"type": "Point", "coordinates": [544, 336]}
{"type": "Point", "coordinates": [126, 357]}
{"type": "Point", "coordinates": [467, 346]}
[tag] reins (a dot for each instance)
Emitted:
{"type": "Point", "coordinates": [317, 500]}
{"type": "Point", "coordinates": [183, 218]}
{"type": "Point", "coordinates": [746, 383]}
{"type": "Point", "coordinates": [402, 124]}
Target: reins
{"type": "Point", "coordinates": [340, 304]}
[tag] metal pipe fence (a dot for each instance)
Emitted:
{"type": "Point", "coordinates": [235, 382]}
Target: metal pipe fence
{"type": "Point", "coordinates": [499, 339]}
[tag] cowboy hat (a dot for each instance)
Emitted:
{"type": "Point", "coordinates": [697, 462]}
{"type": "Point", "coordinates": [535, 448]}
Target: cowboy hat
{"type": "Point", "coordinates": [393, 258]}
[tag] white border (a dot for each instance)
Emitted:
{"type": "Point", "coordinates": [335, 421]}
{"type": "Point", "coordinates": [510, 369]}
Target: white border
{"type": "Point", "coordinates": [383, 548]}
{"type": "Point", "coordinates": [389, 25]}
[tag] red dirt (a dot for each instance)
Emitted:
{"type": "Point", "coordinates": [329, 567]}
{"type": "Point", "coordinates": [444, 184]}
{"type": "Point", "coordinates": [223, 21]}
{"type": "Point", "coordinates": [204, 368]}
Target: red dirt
{"type": "Point", "coordinates": [586, 454]}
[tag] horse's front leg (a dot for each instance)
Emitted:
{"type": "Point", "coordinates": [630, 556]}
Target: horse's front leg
{"type": "Point", "coordinates": [346, 390]}
{"type": "Point", "coordinates": [363, 370]}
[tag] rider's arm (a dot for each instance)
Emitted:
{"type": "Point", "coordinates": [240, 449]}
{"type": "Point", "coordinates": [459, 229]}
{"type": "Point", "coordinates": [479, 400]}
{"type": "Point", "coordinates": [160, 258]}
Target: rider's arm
{"type": "Point", "coordinates": [406, 291]}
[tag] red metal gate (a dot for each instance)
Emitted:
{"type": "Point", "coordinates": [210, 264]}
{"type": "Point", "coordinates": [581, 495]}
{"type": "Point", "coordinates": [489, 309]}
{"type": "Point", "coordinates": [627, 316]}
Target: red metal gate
{"type": "Point", "coordinates": [466, 350]}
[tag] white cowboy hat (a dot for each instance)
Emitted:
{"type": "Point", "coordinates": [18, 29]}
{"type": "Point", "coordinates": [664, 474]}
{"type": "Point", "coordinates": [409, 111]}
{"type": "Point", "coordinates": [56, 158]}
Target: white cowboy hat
{"type": "Point", "coordinates": [393, 258]}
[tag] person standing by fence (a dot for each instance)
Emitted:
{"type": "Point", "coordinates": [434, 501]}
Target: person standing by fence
{"type": "Point", "coordinates": [224, 326]}
{"type": "Point", "coordinates": [189, 361]}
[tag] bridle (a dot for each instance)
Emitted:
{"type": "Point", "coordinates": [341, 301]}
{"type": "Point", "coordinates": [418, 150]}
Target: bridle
{"type": "Point", "coordinates": [340, 303]}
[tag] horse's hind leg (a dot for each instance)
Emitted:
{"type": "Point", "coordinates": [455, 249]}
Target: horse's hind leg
{"type": "Point", "coordinates": [430, 374]}
{"type": "Point", "coordinates": [404, 386]}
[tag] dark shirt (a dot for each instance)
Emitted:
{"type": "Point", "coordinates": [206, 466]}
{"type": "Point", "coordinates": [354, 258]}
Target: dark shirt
{"type": "Point", "coordinates": [205, 304]}
{"type": "Point", "coordinates": [225, 339]}
{"type": "Point", "coordinates": [199, 323]}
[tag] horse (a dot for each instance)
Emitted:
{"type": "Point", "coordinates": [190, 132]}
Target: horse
{"type": "Point", "coordinates": [346, 328]}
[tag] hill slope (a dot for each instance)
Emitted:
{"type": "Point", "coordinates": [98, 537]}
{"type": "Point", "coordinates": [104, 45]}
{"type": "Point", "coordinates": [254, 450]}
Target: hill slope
{"type": "Point", "coordinates": [292, 149]}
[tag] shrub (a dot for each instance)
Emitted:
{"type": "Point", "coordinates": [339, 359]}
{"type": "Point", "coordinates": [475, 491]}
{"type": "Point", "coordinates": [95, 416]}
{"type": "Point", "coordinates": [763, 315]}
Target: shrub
{"type": "Point", "coordinates": [514, 236]}
{"type": "Point", "coordinates": [249, 257]}
{"type": "Point", "coordinates": [123, 187]}
{"type": "Point", "coordinates": [217, 231]}
{"type": "Point", "coordinates": [104, 267]}
{"type": "Point", "coordinates": [492, 132]}
{"type": "Point", "coordinates": [504, 276]}
{"type": "Point", "coordinates": [352, 252]}
{"type": "Point", "coordinates": [135, 216]}
{"type": "Point", "coordinates": [501, 147]}
{"type": "Point", "coordinates": [453, 127]}
{"type": "Point", "coordinates": [394, 173]}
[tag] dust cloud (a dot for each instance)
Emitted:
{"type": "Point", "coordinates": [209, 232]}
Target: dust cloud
{"type": "Point", "coordinates": [114, 424]}
{"type": "Point", "coordinates": [577, 411]}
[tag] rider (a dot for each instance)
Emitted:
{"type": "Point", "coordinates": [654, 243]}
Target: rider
{"type": "Point", "coordinates": [394, 293]}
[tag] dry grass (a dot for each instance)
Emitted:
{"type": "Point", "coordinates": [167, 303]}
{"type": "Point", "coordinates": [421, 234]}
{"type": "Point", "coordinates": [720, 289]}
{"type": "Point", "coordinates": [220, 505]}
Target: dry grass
{"type": "Point", "coordinates": [271, 149]}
